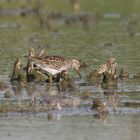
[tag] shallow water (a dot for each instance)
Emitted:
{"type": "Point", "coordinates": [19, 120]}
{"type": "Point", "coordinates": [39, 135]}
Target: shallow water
{"type": "Point", "coordinates": [109, 35]}
{"type": "Point", "coordinates": [124, 127]}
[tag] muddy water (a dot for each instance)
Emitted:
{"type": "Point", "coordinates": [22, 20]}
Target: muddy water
{"type": "Point", "coordinates": [107, 35]}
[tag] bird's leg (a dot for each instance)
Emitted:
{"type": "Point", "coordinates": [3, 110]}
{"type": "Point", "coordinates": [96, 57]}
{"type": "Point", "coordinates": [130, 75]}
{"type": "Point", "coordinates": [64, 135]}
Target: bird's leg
{"type": "Point", "coordinates": [50, 79]}
{"type": "Point", "coordinates": [50, 83]}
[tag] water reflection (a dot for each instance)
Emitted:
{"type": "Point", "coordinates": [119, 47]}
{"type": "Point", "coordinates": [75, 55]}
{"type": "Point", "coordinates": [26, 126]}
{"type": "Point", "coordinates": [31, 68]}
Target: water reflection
{"type": "Point", "coordinates": [43, 96]}
{"type": "Point", "coordinates": [111, 99]}
{"type": "Point", "coordinates": [45, 108]}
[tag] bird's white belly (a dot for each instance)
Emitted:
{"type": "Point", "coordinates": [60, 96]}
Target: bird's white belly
{"type": "Point", "coordinates": [49, 70]}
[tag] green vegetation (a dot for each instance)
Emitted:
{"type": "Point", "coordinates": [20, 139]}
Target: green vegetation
{"type": "Point", "coordinates": [102, 6]}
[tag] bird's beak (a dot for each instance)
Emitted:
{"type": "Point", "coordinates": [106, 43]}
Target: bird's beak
{"type": "Point", "coordinates": [78, 71]}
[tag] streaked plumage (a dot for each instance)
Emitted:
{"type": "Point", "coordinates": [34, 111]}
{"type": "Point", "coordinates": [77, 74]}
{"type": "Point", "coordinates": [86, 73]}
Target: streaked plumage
{"type": "Point", "coordinates": [55, 64]}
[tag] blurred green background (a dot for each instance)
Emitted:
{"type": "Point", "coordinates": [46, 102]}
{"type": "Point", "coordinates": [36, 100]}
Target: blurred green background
{"type": "Point", "coordinates": [98, 29]}
{"type": "Point", "coordinates": [102, 6]}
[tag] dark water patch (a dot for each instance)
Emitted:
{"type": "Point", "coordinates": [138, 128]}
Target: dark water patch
{"type": "Point", "coordinates": [23, 11]}
{"type": "Point", "coordinates": [134, 104]}
{"type": "Point", "coordinates": [12, 26]}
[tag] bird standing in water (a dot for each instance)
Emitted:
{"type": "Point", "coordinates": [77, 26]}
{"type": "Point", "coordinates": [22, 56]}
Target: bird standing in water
{"type": "Point", "coordinates": [55, 64]}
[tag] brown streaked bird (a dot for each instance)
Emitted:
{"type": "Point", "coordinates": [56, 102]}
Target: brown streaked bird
{"type": "Point", "coordinates": [55, 64]}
